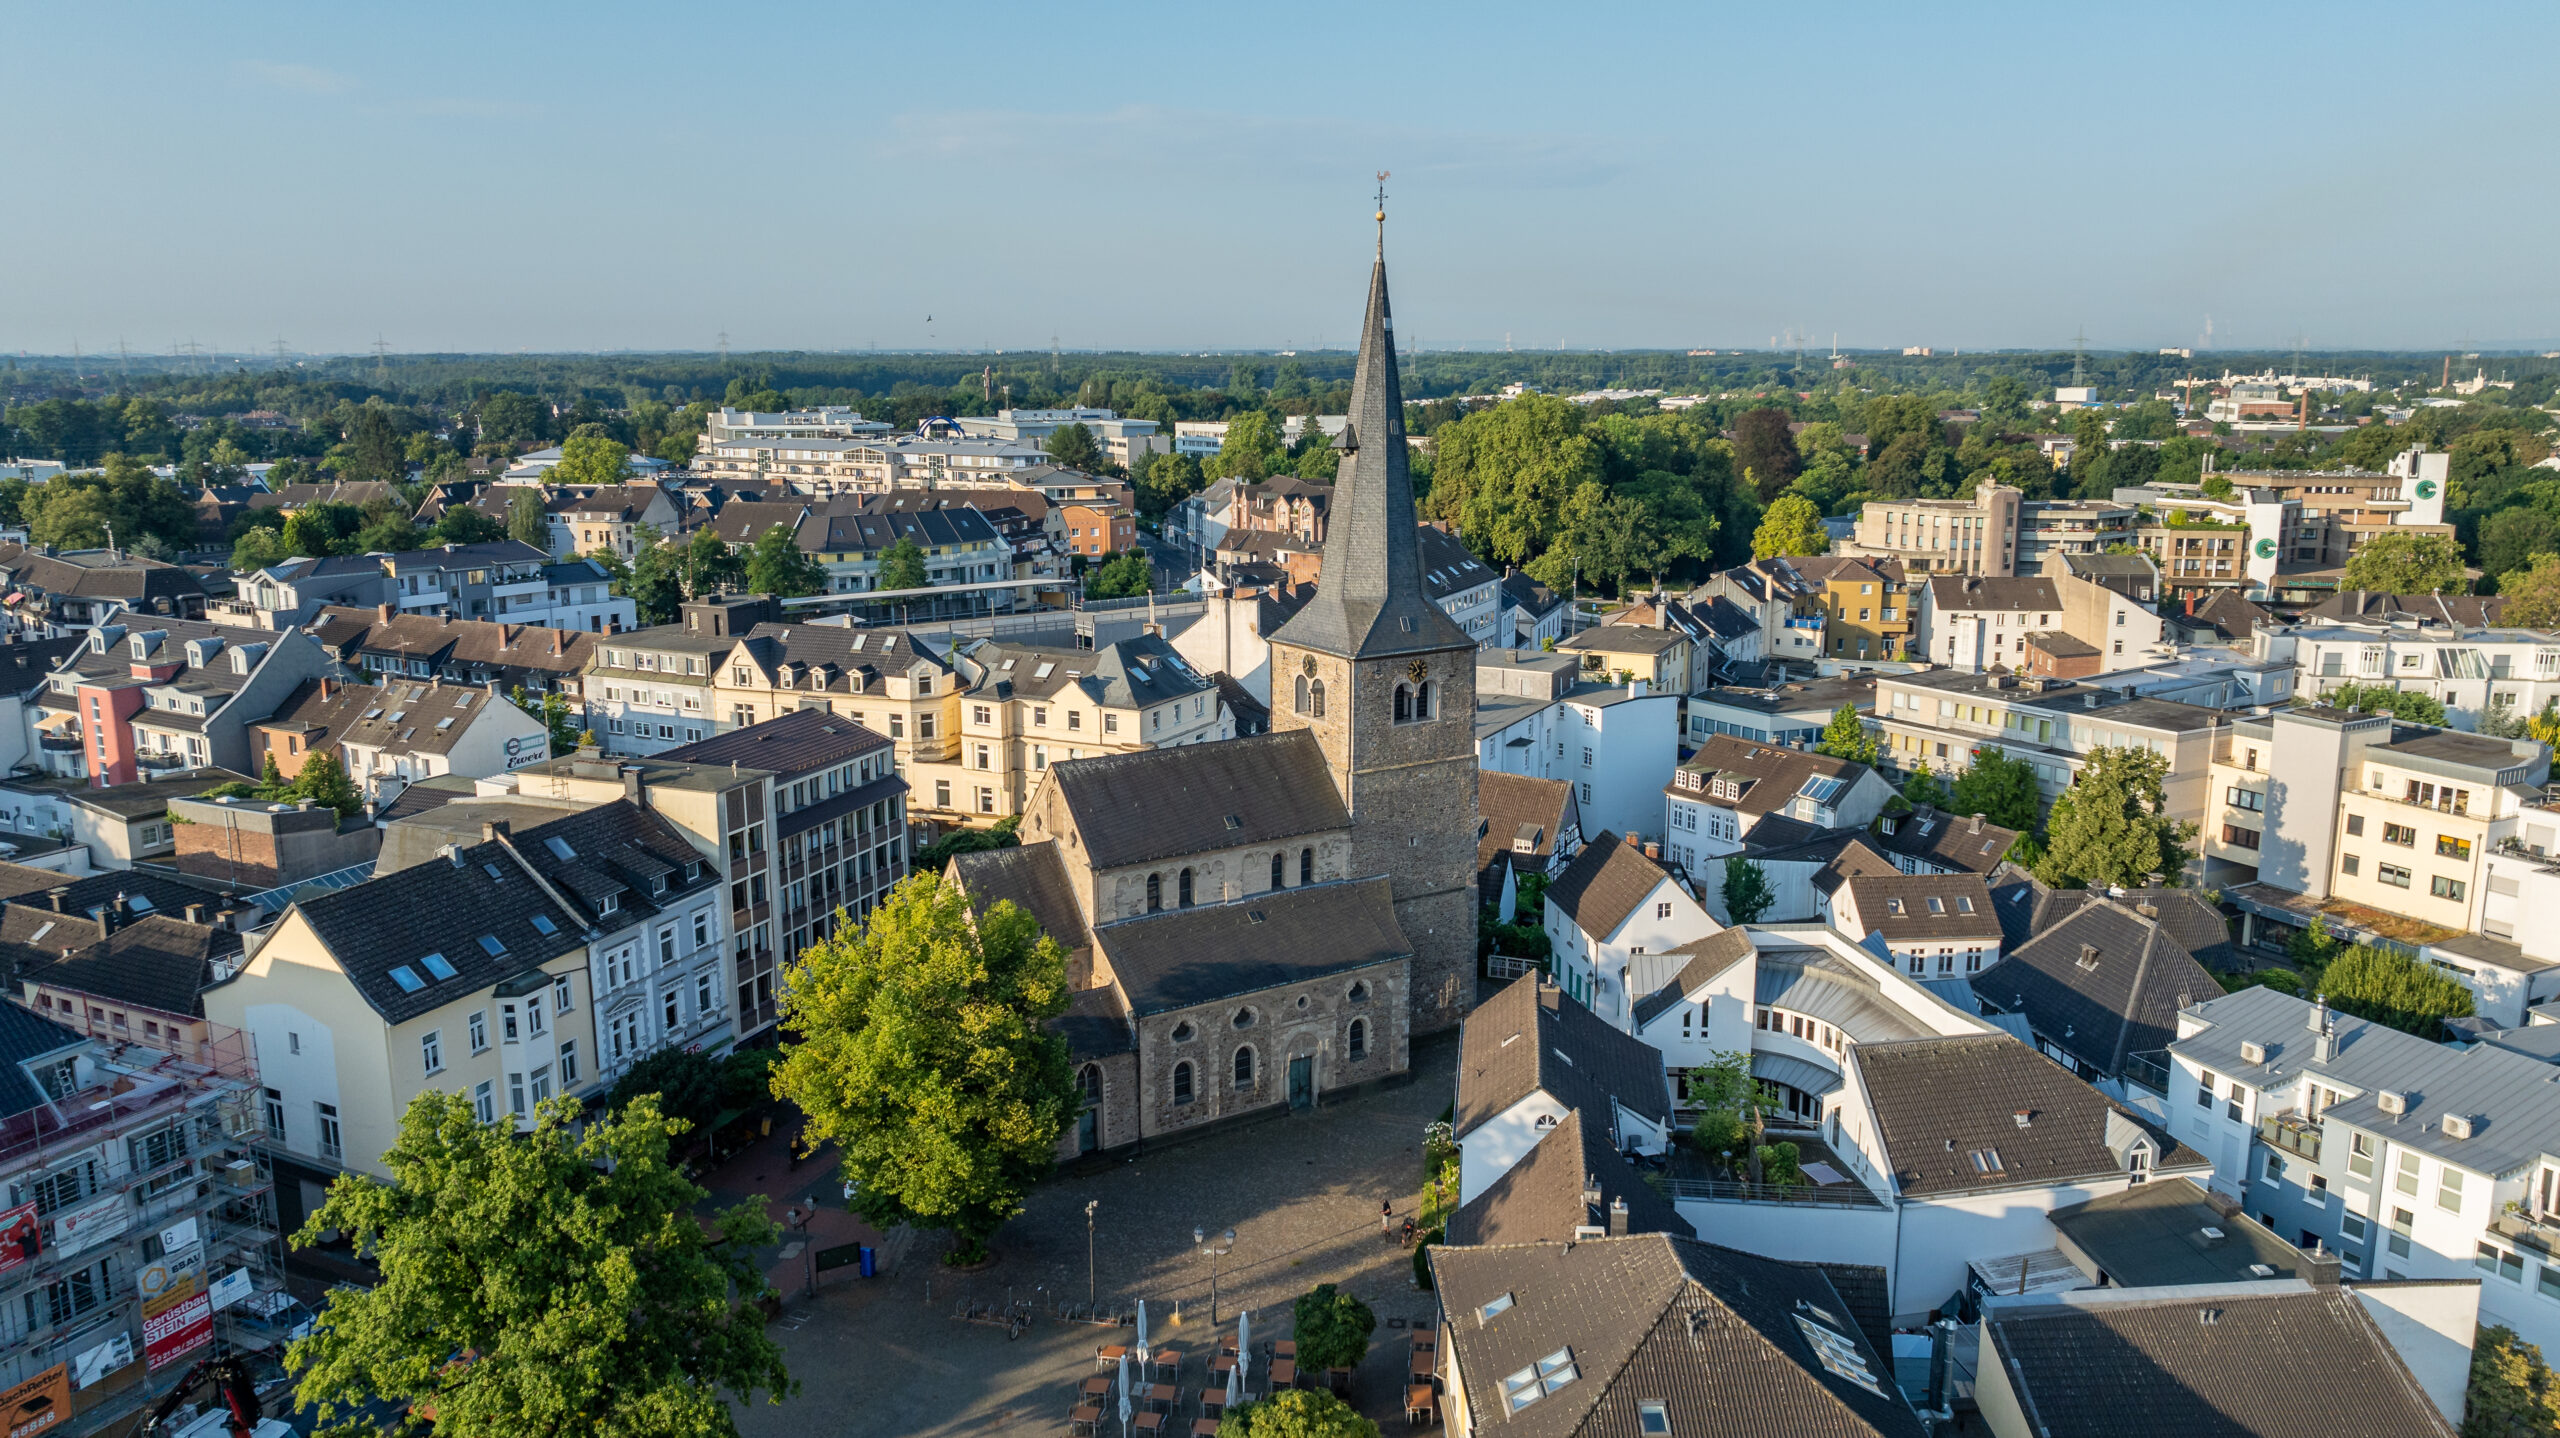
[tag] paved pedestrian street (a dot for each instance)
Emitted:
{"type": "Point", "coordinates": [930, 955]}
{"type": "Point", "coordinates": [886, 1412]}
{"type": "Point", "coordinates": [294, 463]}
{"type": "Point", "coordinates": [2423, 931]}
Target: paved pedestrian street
{"type": "Point", "coordinates": [887, 1355]}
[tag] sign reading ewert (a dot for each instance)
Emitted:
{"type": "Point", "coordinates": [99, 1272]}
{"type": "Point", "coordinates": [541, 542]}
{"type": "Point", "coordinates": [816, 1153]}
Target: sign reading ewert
{"type": "Point", "coordinates": [175, 1326]}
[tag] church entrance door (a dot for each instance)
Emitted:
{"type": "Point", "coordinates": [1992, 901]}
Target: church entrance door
{"type": "Point", "coordinates": [1302, 1082]}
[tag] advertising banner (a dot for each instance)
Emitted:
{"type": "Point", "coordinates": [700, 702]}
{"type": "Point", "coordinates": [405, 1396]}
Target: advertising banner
{"type": "Point", "coordinates": [21, 1236]}
{"type": "Point", "coordinates": [86, 1227]}
{"type": "Point", "coordinates": [230, 1288]}
{"type": "Point", "coordinates": [102, 1362]}
{"type": "Point", "coordinates": [176, 1326]}
{"type": "Point", "coordinates": [38, 1405]}
{"type": "Point", "coordinates": [180, 1252]}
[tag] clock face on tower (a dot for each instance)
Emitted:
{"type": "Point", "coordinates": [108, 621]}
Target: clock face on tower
{"type": "Point", "coordinates": [1419, 670]}
{"type": "Point", "coordinates": [1310, 666]}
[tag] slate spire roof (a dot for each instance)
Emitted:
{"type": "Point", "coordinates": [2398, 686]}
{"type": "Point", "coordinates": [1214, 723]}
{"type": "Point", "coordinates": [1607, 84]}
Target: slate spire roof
{"type": "Point", "coordinates": [1369, 599]}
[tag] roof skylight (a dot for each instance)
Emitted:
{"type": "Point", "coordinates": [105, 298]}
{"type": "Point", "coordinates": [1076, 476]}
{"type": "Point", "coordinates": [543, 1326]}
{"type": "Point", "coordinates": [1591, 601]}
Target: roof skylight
{"type": "Point", "coordinates": [438, 965]}
{"type": "Point", "coordinates": [407, 978]}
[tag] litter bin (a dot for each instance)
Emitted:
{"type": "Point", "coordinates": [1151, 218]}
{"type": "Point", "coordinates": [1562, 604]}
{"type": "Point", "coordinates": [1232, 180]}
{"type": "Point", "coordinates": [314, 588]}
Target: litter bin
{"type": "Point", "coordinates": [870, 1261]}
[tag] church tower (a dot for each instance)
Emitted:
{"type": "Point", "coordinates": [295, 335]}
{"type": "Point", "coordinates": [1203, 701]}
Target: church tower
{"type": "Point", "coordinates": [1386, 681]}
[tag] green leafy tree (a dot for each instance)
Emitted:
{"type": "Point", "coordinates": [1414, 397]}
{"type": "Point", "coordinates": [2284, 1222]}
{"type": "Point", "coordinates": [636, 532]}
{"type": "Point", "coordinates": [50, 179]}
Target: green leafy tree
{"type": "Point", "coordinates": [2112, 827]}
{"type": "Point", "coordinates": [777, 565]}
{"type": "Point", "coordinates": [1747, 891]}
{"type": "Point", "coordinates": [591, 459]}
{"type": "Point", "coordinates": [656, 583]}
{"type": "Point", "coordinates": [1296, 1413]}
{"type": "Point", "coordinates": [2001, 789]}
{"type": "Point", "coordinates": [259, 548]}
{"type": "Point", "coordinates": [1333, 1328]}
{"type": "Point", "coordinates": [1168, 480]}
{"type": "Point", "coordinates": [324, 782]}
{"type": "Point", "coordinates": [271, 778]}
{"type": "Point", "coordinates": [79, 510]}
{"type": "Point", "coordinates": [2511, 538]}
{"type": "Point", "coordinates": [1791, 527]}
{"type": "Point", "coordinates": [1764, 449]}
{"type": "Point", "coordinates": [2390, 987]}
{"type": "Point", "coordinates": [922, 1048]}
{"type": "Point", "coordinates": [710, 566]}
{"type": "Point", "coordinates": [1122, 576]}
{"type": "Point", "coordinates": [2513, 1393]}
{"type": "Point", "coordinates": [1726, 1100]}
{"type": "Point", "coordinates": [552, 708]}
{"type": "Point", "coordinates": [1502, 475]}
{"type": "Point", "coordinates": [1924, 791]}
{"type": "Point", "coordinates": [549, 1282]}
{"type": "Point", "coordinates": [1846, 737]}
{"type": "Point", "coordinates": [1074, 446]}
{"type": "Point", "coordinates": [2533, 594]}
{"type": "Point", "coordinates": [2406, 564]}
{"type": "Point", "coordinates": [690, 1088]}
{"type": "Point", "coordinates": [1002, 834]}
{"type": "Point", "coordinates": [461, 524]}
{"type": "Point", "coordinates": [2406, 704]}
{"type": "Point", "coordinates": [1251, 451]}
{"type": "Point", "coordinates": [390, 533]}
{"type": "Point", "coordinates": [901, 566]}
{"type": "Point", "coordinates": [527, 519]}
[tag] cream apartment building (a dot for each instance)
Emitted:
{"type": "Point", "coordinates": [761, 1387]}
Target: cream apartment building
{"type": "Point", "coordinates": [1937, 718]}
{"type": "Point", "coordinates": [1029, 706]}
{"type": "Point", "coordinates": [1977, 536]}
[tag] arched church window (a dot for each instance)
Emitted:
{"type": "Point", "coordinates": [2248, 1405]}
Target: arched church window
{"type": "Point", "coordinates": [1279, 871]}
{"type": "Point", "coordinates": [1302, 694]}
{"type": "Point", "coordinates": [1315, 693]}
{"type": "Point", "coordinates": [1186, 889]}
{"type": "Point", "coordinates": [1155, 892]}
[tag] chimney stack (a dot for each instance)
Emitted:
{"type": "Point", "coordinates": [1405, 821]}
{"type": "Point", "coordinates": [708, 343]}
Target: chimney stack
{"type": "Point", "coordinates": [494, 830]}
{"type": "Point", "coordinates": [631, 787]}
{"type": "Point", "coordinates": [1618, 1217]}
{"type": "Point", "coordinates": [2318, 1019]}
{"type": "Point", "coordinates": [384, 613]}
{"type": "Point", "coordinates": [60, 897]}
{"type": "Point", "coordinates": [1591, 1189]}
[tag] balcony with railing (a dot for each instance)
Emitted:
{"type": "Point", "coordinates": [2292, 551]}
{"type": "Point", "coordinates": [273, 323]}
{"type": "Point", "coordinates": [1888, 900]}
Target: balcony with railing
{"type": "Point", "coordinates": [2292, 1132]}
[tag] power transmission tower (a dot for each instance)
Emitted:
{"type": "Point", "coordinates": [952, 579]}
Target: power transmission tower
{"type": "Point", "coordinates": [124, 359]}
{"type": "Point", "coordinates": [381, 367]}
{"type": "Point", "coordinates": [724, 350]}
{"type": "Point", "coordinates": [1053, 354]}
{"type": "Point", "coordinates": [194, 353]}
{"type": "Point", "coordinates": [75, 363]}
{"type": "Point", "coordinates": [2079, 360]}
{"type": "Point", "coordinates": [279, 347]}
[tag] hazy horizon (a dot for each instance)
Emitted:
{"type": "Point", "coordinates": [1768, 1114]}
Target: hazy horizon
{"type": "Point", "coordinates": [487, 180]}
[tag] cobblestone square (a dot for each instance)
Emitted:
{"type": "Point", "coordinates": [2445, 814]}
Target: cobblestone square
{"type": "Point", "coordinates": [887, 1356]}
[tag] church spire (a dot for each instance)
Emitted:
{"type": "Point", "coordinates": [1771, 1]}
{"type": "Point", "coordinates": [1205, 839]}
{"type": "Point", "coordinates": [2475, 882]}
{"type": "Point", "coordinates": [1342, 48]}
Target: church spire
{"type": "Point", "coordinates": [1369, 597]}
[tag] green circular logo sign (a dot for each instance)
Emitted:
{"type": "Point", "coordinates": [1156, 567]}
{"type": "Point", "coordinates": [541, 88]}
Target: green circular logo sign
{"type": "Point", "coordinates": [2426, 489]}
{"type": "Point", "coordinates": [2266, 549]}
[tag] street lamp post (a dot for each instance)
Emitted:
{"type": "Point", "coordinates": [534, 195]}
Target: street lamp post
{"type": "Point", "coordinates": [1225, 1244]}
{"type": "Point", "coordinates": [1089, 1206]}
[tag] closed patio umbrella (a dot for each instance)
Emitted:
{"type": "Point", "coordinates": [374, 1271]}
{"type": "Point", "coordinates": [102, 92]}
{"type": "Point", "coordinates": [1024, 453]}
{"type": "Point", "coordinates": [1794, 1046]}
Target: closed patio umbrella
{"type": "Point", "coordinates": [1244, 1341]}
{"type": "Point", "coordinates": [1142, 1334]}
{"type": "Point", "coordinates": [1124, 1393]}
{"type": "Point", "coordinates": [1235, 1384]}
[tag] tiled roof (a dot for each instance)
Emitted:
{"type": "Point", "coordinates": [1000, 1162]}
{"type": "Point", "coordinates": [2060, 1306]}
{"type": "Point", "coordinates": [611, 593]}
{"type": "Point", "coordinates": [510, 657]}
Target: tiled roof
{"type": "Point", "coordinates": [94, 574]}
{"type": "Point", "coordinates": [1032, 877]}
{"type": "Point", "coordinates": [159, 962]}
{"type": "Point", "coordinates": [1164, 803]}
{"type": "Point", "coordinates": [1624, 639]}
{"type": "Point", "coordinates": [616, 851]}
{"type": "Point", "coordinates": [1182, 957]}
{"type": "Point", "coordinates": [2112, 1364]}
{"type": "Point", "coordinates": [2465, 611]}
{"type": "Point", "coordinates": [1604, 884]}
{"type": "Point", "coordinates": [1966, 842]}
{"type": "Point", "coordinates": [1946, 1110]}
{"type": "Point", "coordinates": [2190, 918]}
{"type": "Point", "coordinates": [1515, 809]}
{"type": "Point", "coordinates": [1531, 1037]}
{"type": "Point", "coordinates": [1727, 1342]}
{"type": "Point", "coordinates": [796, 742]}
{"type": "Point", "coordinates": [1856, 859]}
{"type": "Point", "coordinates": [1769, 776]}
{"type": "Point", "coordinates": [408, 716]}
{"type": "Point", "coordinates": [2104, 982]}
{"type": "Point", "coordinates": [1543, 1197]}
{"type": "Point", "coordinates": [1447, 565]}
{"type": "Point", "coordinates": [141, 889]}
{"type": "Point", "coordinates": [1968, 592]}
{"type": "Point", "coordinates": [347, 632]}
{"type": "Point", "coordinates": [441, 907]}
{"type": "Point", "coordinates": [1924, 906]}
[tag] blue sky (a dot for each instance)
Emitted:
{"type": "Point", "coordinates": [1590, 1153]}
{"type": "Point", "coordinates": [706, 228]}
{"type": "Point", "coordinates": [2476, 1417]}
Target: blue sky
{"type": "Point", "coordinates": [551, 177]}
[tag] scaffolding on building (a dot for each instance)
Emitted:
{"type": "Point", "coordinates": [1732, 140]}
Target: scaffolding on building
{"type": "Point", "coordinates": [133, 1143]}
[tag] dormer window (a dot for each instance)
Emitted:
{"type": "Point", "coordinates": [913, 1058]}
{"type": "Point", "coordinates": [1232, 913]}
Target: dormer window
{"type": "Point", "coordinates": [610, 903]}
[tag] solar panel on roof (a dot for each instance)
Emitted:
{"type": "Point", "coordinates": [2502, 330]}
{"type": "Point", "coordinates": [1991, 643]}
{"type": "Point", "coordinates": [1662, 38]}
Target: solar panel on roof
{"type": "Point", "coordinates": [1822, 788]}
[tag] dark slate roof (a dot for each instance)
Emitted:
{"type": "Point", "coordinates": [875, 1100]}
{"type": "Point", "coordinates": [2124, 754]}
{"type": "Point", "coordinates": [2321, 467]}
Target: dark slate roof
{"type": "Point", "coordinates": [1542, 1198]}
{"type": "Point", "coordinates": [1250, 714]}
{"type": "Point", "coordinates": [26, 663]}
{"type": "Point", "coordinates": [440, 907]}
{"type": "Point", "coordinates": [788, 744]}
{"type": "Point", "coordinates": [1768, 776]}
{"type": "Point", "coordinates": [1034, 879]}
{"type": "Point", "coordinates": [1716, 1335]}
{"type": "Point", "coordinates": [1604, 884]}
{"type": "Point", "coordinates": [1940, 1102]}
{"type": "Point", "coordinates": [1447, 565]}
{"type": "Point", "coordinates": [1096, 1024]}
{"type": "Point", "coordinates": [1707, 957]}
{"type": "Point", "coordinates": [618, 851]}
{"type": "Point", "coordinates": [1192, 956]}
{"type": "Point", "coordinates": [1163, 803]}
{"type": "Point", "coordinates": [2106, 1366]}
{"type": "Point", "coordinates": [142, 890]}
{"type": "Point", "coordinates": [1949, 592]}
{"type": "Point", "coordinates": [1532, 1037]}
{"type": "Point", "coordinates": [26, 1036]}
{"type": "Point", "coordinates": [2466, 611]}
{"type": "Point", "coordinates": [427, 794]}
{"type": "Point", "coordinates": [1949, 841]}
{"type": "Point", "coordinates": [2190, 918]}
{"type": "Point", "coordinates": [2104, 982]}
{"type": "Point", "coordinates": [1369, 597]}
{"type": "Point", "coordinates": [158, 962]}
